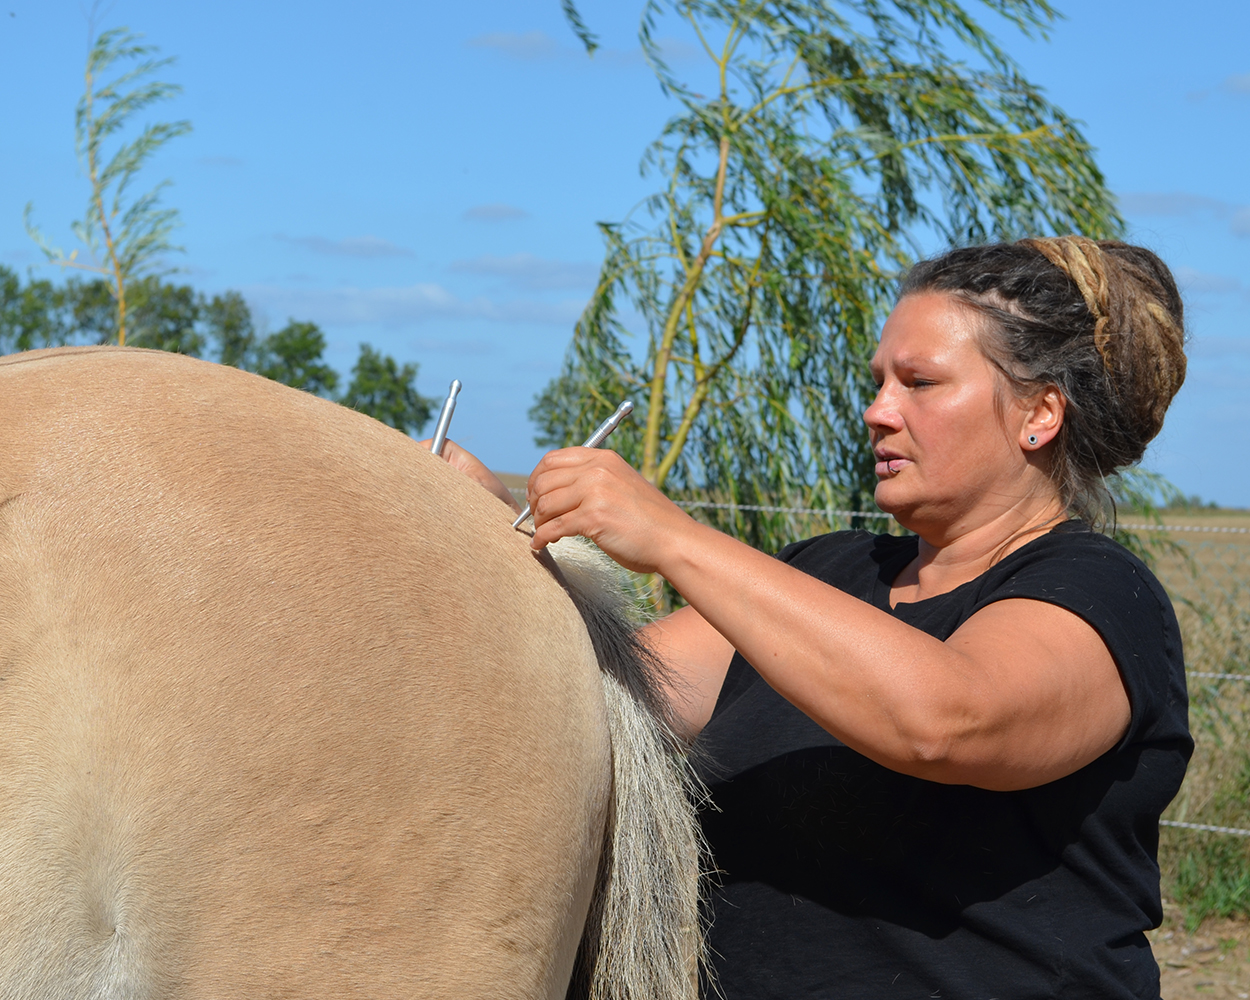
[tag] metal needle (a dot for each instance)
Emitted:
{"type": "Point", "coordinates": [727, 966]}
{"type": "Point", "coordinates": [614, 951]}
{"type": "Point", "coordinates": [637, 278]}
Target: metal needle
{"type": "Point", "coordinates": [444, 418]}
{"type": "Point", "coordinates": [597, 438]}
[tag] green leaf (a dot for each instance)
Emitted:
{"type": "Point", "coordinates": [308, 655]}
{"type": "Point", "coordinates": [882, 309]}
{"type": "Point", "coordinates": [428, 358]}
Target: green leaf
{"type": "Point", "coordinates": [165, 317]}
{"type": "Point", "coordinates": [231, 331]}
{"type": "Point", "coordinates": [583, 33]}
{"type": "Point", "coordinates": [387, 392]}
{"type": "Point", "coordinates": [31, 316]}
{"type": "Point", "coordinates": [292, 356]}
{"type": "Point", "coordinates": [126, 238]}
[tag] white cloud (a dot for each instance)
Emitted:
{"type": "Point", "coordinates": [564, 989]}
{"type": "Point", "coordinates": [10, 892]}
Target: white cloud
{"type": "Point", "coordinates": [1181, 203]}
{"type": "Point", "coordinates": [495, 213]}
{"type": "Point", "coordinates": [1220, 348]}
{"type": "Point", "coordinates": [401, 306]}
{"type": "Point", "coordinates": [352, 246]}
{"type": "Point", "coordinates": [220, 161]}
{"type": "Point", "coordinates": [1238, 83]}
{"type": "Point", "coordinates": [1166, 203]}
{"type": "Point", "coordinates": [529, 45]}
{"type": "Point", "coordinates": [673, 50]}
{"type": "Point", "coordinates": [524, 270]}
{"type": "Point", "coordinates": [426, 345]}
{"type": "Point", "coordinates": [1240, 223]}
{"type": "Point", "coordinates": [1201, 283]}
{"type": "Point", "coordinates": [538, 46]}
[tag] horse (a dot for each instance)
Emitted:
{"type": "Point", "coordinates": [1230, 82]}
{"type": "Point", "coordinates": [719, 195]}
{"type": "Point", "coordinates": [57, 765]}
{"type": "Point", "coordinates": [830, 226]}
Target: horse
{"type": "Point", "coordinates": [288, 709]}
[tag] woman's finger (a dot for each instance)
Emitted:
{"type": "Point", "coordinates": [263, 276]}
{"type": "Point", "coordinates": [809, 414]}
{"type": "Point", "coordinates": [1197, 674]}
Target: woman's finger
{"type": "Point", "coordinates": [551, 531]}
{"type": "Point", "coordinates": [559, 470]}
{"type": "Point", "coordinates": [473, 467]}
{"type": "Point", "coordinates": [556, 503]}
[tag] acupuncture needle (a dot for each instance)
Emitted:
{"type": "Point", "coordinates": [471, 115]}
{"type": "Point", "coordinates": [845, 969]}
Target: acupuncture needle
{"type": "Point", "coordinates": [444, 418]}
{"type": "Point", "coordinates": [597, 438]}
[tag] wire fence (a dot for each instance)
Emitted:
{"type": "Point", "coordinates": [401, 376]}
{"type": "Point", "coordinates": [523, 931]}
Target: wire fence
{"type": "Point", "coordinates": [1206, 571]}
{"type": "Point", "coordinates": [1205, 827]}
{"type": "Point", "coordinates": [877, 515]}
{"type": "Point", "coordinates": [1207, 575]}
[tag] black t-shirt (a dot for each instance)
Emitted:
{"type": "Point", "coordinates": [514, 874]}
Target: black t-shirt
{"type": "Point", "coordinates": [841, 878]}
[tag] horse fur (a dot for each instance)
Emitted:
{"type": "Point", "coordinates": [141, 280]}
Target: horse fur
{"type": "Point", "coordinates": [288, 709]}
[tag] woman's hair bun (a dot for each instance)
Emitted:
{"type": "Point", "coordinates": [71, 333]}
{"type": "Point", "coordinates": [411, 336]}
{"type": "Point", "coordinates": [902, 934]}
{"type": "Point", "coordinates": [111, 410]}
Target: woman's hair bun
{"type": "Point", "coordinates": [1138, 325]}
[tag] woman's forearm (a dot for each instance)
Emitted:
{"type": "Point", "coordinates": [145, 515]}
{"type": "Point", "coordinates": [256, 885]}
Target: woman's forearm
{"type": "Point", "coordinates": [880, 686]}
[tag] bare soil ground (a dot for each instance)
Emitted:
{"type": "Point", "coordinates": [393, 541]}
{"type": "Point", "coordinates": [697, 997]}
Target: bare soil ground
{"type": "Point", "coordinates": [1212, 962]}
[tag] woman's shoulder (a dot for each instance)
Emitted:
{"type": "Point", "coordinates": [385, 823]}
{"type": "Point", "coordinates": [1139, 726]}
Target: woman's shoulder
{"type": "Point", "coordinates": [1111, 589]}
{"type": "Point", "coordinates": [1072, 555]}
{"type": "Point", "coordinates": [1090, 574]}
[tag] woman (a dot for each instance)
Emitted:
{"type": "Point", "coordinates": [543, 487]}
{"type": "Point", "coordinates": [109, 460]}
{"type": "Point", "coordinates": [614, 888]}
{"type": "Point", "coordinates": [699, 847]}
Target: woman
{"type": "Point", "coordinates": [938, 762]}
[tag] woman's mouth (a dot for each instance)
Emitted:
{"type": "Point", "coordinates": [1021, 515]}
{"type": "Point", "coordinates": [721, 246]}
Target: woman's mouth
{"type": "Point", "coordinates": [891, 466]}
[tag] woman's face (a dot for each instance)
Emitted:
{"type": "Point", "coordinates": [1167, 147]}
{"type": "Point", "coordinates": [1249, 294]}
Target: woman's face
{"type": "Point", "coordinates": [946, 431]}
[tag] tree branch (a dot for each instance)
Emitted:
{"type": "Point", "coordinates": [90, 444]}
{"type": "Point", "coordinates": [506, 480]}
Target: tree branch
{"type": "Point", "coordinates": [655, 407]}
{"type": "Point", "coordinates": [703, 386]}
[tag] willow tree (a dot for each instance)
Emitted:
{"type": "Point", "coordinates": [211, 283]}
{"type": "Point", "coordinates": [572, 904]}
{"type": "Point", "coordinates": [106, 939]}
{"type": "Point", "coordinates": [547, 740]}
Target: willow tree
{"type": "Point", "coordinates": [739, 304]}
{"type": "Point", "coordinates": [126, 234]}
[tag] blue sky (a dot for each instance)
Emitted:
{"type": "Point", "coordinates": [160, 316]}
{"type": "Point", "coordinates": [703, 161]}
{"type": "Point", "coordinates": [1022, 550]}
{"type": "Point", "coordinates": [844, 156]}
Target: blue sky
{"type": "Point", "coordinates": [427, 177]}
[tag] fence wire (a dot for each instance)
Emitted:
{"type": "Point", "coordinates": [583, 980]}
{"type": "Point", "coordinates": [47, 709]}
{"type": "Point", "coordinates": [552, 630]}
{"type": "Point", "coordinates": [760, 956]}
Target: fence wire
{"type": "Point", "coordinates": [1208, 578]}
{"type": "Point", "coordinates": [1205, 828]}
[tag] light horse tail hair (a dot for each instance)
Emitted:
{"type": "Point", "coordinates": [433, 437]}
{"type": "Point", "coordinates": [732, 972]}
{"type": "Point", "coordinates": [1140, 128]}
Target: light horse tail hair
{"type": "Point", "coordinates": [643, 938]}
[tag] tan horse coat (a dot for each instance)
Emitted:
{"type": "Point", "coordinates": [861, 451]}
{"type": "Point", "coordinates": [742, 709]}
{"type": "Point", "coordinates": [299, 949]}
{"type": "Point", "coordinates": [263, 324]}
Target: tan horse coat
{"type": "Point", "coordinates": [287, 709]}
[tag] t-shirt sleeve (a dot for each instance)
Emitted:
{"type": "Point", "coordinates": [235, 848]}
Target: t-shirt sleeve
{"type": "Point", "coordinates": [792, 551]}
{"type": "Point", "coordinates": [1120, 598]}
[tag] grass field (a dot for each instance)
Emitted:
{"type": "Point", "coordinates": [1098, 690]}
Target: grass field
{"type": "Point", "coordinates": [1208, 576]}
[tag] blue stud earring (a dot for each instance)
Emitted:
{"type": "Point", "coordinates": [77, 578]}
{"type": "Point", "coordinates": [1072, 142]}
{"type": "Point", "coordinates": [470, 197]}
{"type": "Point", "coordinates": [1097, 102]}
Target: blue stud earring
{"type": "Point", "coordinates": [1032, 439]}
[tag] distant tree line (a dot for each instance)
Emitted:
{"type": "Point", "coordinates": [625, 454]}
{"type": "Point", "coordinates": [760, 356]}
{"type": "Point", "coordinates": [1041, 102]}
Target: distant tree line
{"type": "Point", "coordinates": [169, 317]}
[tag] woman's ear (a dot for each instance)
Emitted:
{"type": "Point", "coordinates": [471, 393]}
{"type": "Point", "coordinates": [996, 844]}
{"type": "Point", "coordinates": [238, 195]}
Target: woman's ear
{"type": "Point", "coordinates": [1043, 420]}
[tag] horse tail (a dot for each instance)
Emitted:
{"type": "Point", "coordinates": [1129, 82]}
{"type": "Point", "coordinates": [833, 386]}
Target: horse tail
{"type": "Point", "coordinates": [643, 939]}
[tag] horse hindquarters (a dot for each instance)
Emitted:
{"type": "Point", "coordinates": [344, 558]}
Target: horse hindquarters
{"type": "Point", "coordinates": [286, 708]}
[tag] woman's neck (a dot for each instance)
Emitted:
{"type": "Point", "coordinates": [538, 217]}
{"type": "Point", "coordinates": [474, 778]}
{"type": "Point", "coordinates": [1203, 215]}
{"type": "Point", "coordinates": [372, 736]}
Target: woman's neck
{"type": "Point", "coordinates": [952, 557]}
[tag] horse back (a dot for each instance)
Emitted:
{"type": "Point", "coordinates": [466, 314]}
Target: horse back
{"type": "Point", "coordinates": [286, 707]}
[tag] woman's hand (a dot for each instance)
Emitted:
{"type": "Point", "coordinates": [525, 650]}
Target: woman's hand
{"type": "Point", "coordinates": [594, 492]}
{"type": "Point", "coordinates": [471, 466]}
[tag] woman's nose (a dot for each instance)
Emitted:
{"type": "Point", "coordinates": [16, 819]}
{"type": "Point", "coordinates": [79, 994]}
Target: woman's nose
{"type": "Point", "coordinates": [882, 412]}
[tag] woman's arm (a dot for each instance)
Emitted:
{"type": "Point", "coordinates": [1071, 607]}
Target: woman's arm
{"type": "Point", "coordinates": [697, 658]}
{"type": "Point", "coordinates": [1023, 693]}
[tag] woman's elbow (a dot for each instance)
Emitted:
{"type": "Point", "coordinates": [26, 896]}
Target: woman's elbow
{"type": "Point", "coordinates": [952, 749]}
